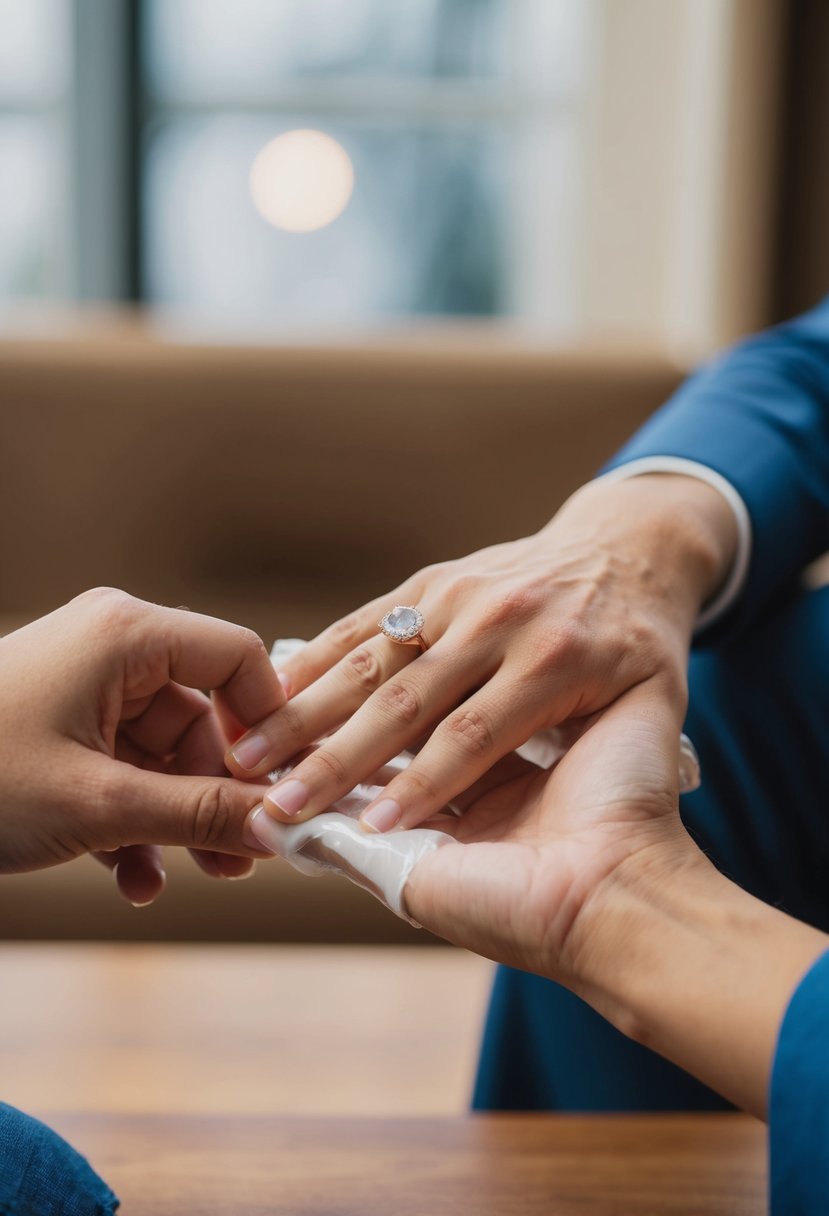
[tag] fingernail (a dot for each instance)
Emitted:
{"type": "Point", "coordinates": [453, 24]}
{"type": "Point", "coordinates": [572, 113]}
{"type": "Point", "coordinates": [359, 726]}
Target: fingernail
{"type": "Point", "coordinates": [241, 877]}
{"type": "Point", "coordinates": [285, 681]}
{"type": "Point", "coordinates": [289, 797]}
{"type": "Point", "coordinates": [382, 816]}
{"type": "Point", "coordinates": [257, 829]}
{"type": "Point", "coordinates": [250, 751]}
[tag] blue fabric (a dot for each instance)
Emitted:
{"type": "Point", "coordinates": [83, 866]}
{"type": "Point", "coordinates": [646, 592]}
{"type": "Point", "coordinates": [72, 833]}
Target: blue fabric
{"type": "Point", "coordinates": [759, 415]}
{"type": "Point", "coordinates": [799, 1101]}
{"type": "Point", "coordinates": [758, 714]}
{"type": "Point", "coordinates": [41, 1175]}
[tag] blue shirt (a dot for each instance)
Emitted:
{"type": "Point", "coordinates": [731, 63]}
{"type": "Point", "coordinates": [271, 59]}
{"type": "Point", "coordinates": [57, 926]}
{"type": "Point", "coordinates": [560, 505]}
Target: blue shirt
{"type": "Point", "coordinates": [799, 1101]}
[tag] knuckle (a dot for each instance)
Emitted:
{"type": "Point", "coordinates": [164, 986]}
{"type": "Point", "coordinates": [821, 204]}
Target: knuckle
{"type": "Point", "coordinates": [470, 731]}
{"type": "Point", "coordinates": [212, 817]}
{"type": "Point", "coordinates": [109, 603]}
{"type": "Point", "coordinates": [461, 587]}
{"type": "Point", "coordinates": [514, 606]}
{"type": "Point", "coordinates": [429, 574]}
{"type": "Point", "coordinates": [330, 768]}
{"type": "Point", "coordinates": [641, 639]}
{"type": "Point", "coordinates": [347, 631]}
{"type": "Point", "coordinates": [419, 788]}
{"type": "Point", "coordinates": [564, 646]}
{"type": "Point", "coordinates": [252, 644]}
{"type": "Point", "coordinates": [400, 702]}
{"type": "Point", "coordinates": [362, 668]}
{"type": "Point", "coordinates": [289, 720]}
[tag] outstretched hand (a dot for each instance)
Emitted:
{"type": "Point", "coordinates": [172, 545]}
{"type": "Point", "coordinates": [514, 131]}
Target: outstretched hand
{"type": "Point", "coordinates": [538, 852]}
{"type": "Point", "coordinates": [588, 877]}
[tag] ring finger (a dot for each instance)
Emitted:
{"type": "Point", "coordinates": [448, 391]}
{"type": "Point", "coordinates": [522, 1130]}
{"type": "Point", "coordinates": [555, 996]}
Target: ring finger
{"type": "Point", "coordinates": [401, 711]}
{"type": "Point", "coordinates": [321, 708]}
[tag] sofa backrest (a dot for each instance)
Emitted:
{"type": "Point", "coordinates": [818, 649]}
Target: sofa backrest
{"type": "Point", "coordinates": [278, 486]}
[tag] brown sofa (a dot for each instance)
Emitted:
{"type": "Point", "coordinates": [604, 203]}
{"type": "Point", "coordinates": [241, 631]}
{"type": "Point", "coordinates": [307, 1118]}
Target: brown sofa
{"type": "Point", "coordinates": [279, 487]}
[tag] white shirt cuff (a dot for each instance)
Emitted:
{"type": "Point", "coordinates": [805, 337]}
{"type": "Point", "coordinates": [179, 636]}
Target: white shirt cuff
{"type": "Point", "coordinates": [731, 589]}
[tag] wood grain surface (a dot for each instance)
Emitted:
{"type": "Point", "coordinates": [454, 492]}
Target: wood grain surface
{"type": "Point", "coordinates": [490, 1165]}
{"type": "Point", "coordinates": [278, 1079]}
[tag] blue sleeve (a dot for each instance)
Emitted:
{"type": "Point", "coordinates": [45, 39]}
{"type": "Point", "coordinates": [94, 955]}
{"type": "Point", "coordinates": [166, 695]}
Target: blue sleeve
{"type": "Point", "coordinates": [799, 1101]}
{"type": "Point", "coordinates": [759, 415]}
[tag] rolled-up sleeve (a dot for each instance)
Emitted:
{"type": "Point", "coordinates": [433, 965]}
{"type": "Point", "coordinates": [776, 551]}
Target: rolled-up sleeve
{"type": "Point", "coordinates": [799, 1101]}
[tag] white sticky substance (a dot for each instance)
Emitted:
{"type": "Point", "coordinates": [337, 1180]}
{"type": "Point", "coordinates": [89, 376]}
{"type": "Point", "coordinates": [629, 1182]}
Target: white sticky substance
{"type": "Point", "coordinates": [382, 862]}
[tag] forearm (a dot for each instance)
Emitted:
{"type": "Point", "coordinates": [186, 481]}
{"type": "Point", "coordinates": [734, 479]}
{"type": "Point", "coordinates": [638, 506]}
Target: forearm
{"type": "Point", "coordinates": [684, 961]}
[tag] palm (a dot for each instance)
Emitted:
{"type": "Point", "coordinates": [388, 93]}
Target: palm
{"type": "Point", "coordinates": [534, 846]}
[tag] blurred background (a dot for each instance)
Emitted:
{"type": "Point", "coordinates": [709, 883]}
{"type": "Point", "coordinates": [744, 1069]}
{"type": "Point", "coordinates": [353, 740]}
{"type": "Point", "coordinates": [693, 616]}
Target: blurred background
{"type": "Point", "coordinates": [578, 166]}
{"type": "Point", "coordinates": [297, 296]}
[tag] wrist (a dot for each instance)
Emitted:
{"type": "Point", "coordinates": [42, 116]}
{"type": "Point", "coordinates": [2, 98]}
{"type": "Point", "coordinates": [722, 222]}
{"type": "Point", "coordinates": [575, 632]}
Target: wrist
{"type": "Point", "coordinates": [681, 528]}
{"type": "Point", "coordinates": [687, 963]}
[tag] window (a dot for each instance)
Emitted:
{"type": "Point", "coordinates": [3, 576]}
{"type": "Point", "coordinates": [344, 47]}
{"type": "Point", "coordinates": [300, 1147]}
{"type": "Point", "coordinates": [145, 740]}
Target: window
{"type": "Point", "coordinates": [35, 80]}
{"type": "Point", "coordinates": [452, 120]}
{"type": "Point", "coordinates": [261, 165]}
{"type": "Point", "coordinates": [130, 129]}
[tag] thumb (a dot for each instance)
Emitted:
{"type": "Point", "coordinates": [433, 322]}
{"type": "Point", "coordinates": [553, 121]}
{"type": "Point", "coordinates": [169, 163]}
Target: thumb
{"type": "Point", "coordinates": [470, 895]}
{"type": "Point", "coordinates": [142, 807]}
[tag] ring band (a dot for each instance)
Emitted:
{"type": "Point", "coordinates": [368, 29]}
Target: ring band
{"type": "Point", "coordinates": [404, 625]}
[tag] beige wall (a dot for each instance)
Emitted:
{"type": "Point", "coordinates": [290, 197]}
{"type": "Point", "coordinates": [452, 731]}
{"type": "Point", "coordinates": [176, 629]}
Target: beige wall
{"type": "Point", "coordinates": [681, 155]}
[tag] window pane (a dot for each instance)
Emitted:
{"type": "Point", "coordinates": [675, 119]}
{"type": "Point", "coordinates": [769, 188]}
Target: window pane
{"type": "Point", "coordinates": [30, 165]}
{"type": "Point", "coordinates": [421, 232]}
{"type": "Point", "coordinates": [34, 50]}
{"type": "Point", "coordinates": [219, 48]}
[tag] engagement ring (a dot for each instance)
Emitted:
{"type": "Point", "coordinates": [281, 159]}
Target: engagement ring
{"type": "Point", "coordinates": [405, 626]}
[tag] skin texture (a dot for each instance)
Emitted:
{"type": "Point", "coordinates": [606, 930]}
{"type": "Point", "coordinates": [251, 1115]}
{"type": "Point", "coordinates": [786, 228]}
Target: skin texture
{"type": "Point", "coordinates": [583, 874]}
{"type": "Point", "coordinates": [540, 632]}
{"type": "Point", "coordinates": [109, 747]}
{"type": "Point", "coordinates": [587, 876]}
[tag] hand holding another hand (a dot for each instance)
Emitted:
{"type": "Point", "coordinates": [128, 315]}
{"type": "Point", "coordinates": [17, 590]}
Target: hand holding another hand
{"type": "Point", "coordinates": [540, 632]}
{"type": "Point", "coordinates": [588, 877]}
{"type": "Point", "coordinates": [109, 747]}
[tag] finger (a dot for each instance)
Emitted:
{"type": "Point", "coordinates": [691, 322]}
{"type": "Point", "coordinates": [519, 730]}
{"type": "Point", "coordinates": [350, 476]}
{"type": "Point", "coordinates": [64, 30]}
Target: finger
{"type": "Point", "coordinates": [401, 710]}
{"type": "Point", "coordinates": [318, 710]}
{"type": "Point", "coordinates": [508, 768]}
{"type": "Point", "coordinates": [139, 872]}
{"type": "Point", "coordinates": [230, 726]}
{"type": "Point", "coordinates": [629, 755]}
{"type": "Point", "coordinates": [202, 652]}
{"type": "Point", "coordinates": [445, 893]}
{"type": "Point", "coordinates": [180, 722]}
{"type": "Point", "coordinates": [465, 745]}
{"type": "Point", "coordinates": [334, 643]}
{"type": "Point", "coordinates": [466, 891]}
{"type": "Point", "coordinates": [223, 865]}
{"type": "Point", "coordinates": [136, 806]}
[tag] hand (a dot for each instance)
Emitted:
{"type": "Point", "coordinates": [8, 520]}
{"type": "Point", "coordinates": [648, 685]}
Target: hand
{"type": "Point", "coordinates": [524, 636]}
{"type": "Point", "coordinates": [537, 849]}
{"type": "Point", "coordinates": [587, 876]}
{"type": "Point", "coordinates": [108, 747]}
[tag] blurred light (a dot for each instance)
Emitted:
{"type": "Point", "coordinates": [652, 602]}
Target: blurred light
{"type": "Point", "coordinates": [301, 181]}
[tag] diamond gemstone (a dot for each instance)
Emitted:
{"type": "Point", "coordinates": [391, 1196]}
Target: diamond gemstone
{"type": "Point", "coordinates": [402, 622]}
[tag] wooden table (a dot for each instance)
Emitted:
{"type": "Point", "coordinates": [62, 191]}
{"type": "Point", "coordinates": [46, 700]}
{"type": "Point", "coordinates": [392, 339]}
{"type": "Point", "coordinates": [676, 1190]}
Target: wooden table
{"type": "Point", "coordinates": [501, 1165]}
{"type": "Point", "coordinates": [255, 1080]}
